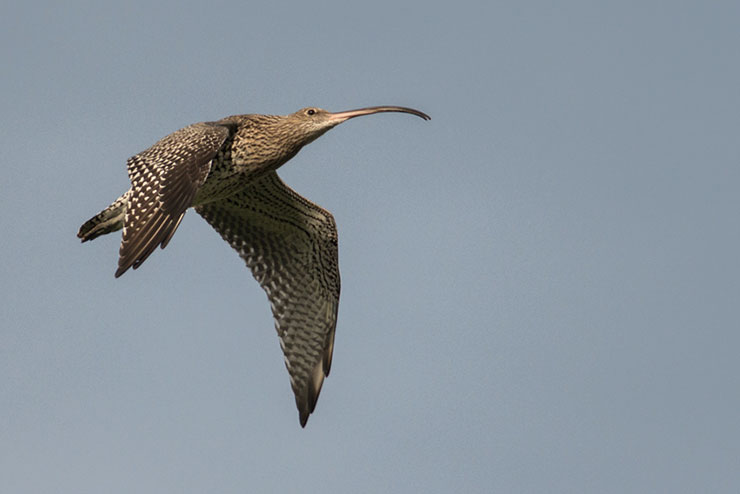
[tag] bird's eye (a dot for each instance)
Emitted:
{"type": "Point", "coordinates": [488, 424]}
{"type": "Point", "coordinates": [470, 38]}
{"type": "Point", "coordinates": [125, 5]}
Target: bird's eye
{"type": "Point", "coordinates": [310, 111]}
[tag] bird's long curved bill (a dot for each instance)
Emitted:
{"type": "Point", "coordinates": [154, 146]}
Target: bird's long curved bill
{"type": "Point", "coordinates": [340, 117]}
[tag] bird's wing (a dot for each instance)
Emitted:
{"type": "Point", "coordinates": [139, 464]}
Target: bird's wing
{"type": "Point", "coordinates": [164, 180]}
{"type": "Point", "coordinates": [290, 244]}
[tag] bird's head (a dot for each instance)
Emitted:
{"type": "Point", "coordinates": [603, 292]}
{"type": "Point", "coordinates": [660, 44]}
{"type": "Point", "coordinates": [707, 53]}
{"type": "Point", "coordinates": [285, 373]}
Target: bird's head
{"type": "Point", "coordinates": [312, 122]}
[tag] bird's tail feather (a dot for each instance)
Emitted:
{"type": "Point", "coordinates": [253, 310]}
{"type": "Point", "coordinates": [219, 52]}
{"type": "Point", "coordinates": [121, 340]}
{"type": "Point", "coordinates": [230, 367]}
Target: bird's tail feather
{"type": "Point", "coordinates": [108, 220]}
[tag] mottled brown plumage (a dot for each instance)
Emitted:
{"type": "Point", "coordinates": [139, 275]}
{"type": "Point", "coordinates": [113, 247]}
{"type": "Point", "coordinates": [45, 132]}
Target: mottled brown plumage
{"type": "Point", "coordinates": [226, 171]}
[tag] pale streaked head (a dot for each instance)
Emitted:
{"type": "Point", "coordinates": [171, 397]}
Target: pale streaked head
{"type": "Point", "coordinates": [316, 121]}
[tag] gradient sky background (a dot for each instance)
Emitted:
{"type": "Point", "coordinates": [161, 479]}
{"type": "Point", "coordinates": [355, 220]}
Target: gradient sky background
{"type": "Point", "coordinates": [540, 285]}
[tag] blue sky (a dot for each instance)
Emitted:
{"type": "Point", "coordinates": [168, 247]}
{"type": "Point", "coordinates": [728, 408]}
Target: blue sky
{"type": "Point", "coordinates": [539, 286]}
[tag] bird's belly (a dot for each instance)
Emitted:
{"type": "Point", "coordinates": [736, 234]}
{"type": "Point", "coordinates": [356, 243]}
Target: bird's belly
{"type": "Point", "coordinates": [224, 181]}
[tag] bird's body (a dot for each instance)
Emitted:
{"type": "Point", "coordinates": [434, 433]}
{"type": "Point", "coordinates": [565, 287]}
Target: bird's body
{"type": "Point", "coordinates": [226, 170]}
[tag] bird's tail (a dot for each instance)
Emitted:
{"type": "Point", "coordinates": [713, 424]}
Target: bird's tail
{"type": "Point", "coordinates": [108, 220]}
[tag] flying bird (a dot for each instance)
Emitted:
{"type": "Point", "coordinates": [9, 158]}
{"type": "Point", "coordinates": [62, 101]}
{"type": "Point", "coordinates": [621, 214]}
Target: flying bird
{"type": "Point", "coordinates": [226, 170]}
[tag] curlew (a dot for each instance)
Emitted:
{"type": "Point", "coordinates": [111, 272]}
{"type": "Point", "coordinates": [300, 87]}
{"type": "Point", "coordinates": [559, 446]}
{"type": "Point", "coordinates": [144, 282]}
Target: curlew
{"type": "Point", "coordinates": [226, 170]}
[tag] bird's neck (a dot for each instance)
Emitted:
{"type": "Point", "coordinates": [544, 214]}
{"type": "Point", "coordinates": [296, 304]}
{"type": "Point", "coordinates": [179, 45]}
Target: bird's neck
{"type": "Point", "coordinates": [265, 142]}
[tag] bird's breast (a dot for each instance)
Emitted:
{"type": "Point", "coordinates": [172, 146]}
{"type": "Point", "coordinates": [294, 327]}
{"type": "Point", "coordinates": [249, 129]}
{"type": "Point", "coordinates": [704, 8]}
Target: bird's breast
{"type": "Point", "coordinates": [237, 164]}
